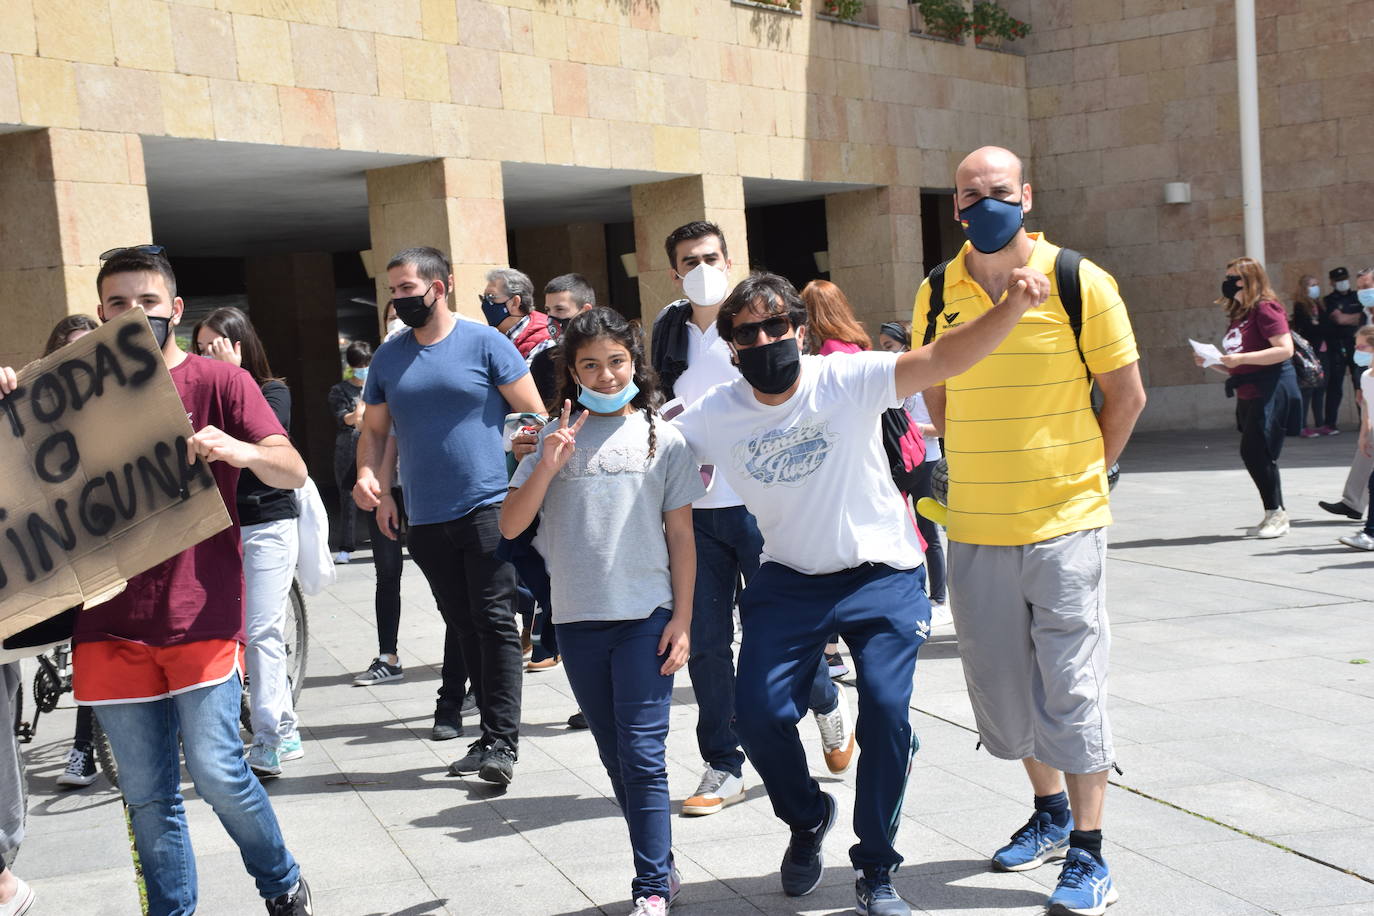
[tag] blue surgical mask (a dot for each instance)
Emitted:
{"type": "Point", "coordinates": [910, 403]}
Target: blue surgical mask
{"type": "Point", "coordinates": [991, 224]}
{"type": "Point", "coordinates": [597, 402]}
{"type": "Point", "coordinates": [1366, 297]}
{"type": "Point", "coordinates": [360, 374]}
{"type": "Point", "coordinates": [1363, 358]}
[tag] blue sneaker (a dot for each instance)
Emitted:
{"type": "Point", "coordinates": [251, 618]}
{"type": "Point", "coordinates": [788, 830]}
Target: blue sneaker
{"type": "Point", "coordinates": [1085, 886]}
{"type": "Point", "coordinates": [875, 896]}
{"type": "Point", "coordinates": [291, 749]}
{"type": "Point", "coordinates": [1033, 845]}
{"type": "Point", "coordinates": [803, 866]}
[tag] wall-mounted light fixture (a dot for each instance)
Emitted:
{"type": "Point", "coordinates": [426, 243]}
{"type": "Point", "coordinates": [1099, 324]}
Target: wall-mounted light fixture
{"type": "Point", "coordinates": [630, 263]}
{"type": "Point", "coordinates": [1178, 192]}
{"type": "Point", "coordinates": [822, 261]}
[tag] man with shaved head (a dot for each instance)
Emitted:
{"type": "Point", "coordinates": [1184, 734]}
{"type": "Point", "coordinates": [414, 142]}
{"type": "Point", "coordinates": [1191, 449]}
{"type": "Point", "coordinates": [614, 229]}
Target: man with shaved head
{"type": "Point", "coordinates": [1028, 511]}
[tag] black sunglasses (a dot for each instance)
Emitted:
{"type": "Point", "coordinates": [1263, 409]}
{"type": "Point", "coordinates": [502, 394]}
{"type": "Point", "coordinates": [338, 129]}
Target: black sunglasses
{"type": "Point", "coordinates": [153, 250]}
{"type": "Point", "coordinates": [744, 335]}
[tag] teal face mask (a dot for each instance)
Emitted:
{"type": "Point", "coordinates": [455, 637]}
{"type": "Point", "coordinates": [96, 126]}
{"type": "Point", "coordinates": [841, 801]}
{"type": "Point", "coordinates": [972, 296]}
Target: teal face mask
{"type": "Point", "coordinates": [597, 402]}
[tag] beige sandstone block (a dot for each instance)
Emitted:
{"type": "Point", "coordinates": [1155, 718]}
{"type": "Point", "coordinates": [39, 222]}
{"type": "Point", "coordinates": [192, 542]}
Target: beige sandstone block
{"type": "Point", "coordinates": [405, 183]}
{"type": "Point", "coordinates": [307, 118]}
{"type": "Point", "coordinates": [391, 75]}
{"type": "Point", "coordinates": [591, 141]}
{"type": "Point", "coordinates": [311, 12]}
{"type": "Point", "coordinates": [719, 154]}
{"type": "Point", "coordinates": [569, 88]}
{"type": "Point", "coordinates": [631, 145]}
{"type": "Point", "coordinates": [735, 65]}
{"type": "Point", "coordinates": [610, 93]}
{"type": "Point", "coordinates": [752, 150]}
{"type": "Point", "coordinates": [484, 25]}
{"type": "Point", "coordinates": [478, 229]}
{"type": "Point", "coordinates": [76, 30]}
{"type": "Point", "coordinates": [88, 155]}
{"type": "Point", "coordinates": [550, 35]}
{"type": "Point", "coordinates": [142, 34]}
{"type": "Point", "coordinates": [96, 217]}
{"type": "Point", "coordinates": [390, 17]}
{"type": "Point", "coordinates": [634, 49]}
{"type": "Point", "coordinates": [472, 179]}
{"type": "Point", "coordinates": [424, 66]}
{"type": "Point", "coordinates": [670, 54]}
{"type": "Point", "coordinates": [203, 41]}
{"type": "Point", "coordinates": [186, 109]}
{"type": "Point", "coordinates": [522, 32]}
{"type": "Point", "coordinates": [593, 42]}
{"type": "Point", "coordinates": [475, 76]}
{"type": "Point", "coordinates": [247, 112]}
{"type": "Point", "coordinates": [506, 135]}
{"type": "Point", "coordinates": [383, 125]}
{"type": "Point", "coordinates": [787, 158]}
{"type": "Point", "coordinates": [18, 34]}
{"type": "Point", "coordinates": [264, 50]}
{"type": "Point", "coordinates": [333, 59]}
{"type": "Point", "coordinates": [526, 83]}
{"type": "Point", "coordinates": [704, 59]}
{"type": "Point", "coordinates": [112, 98]}
{"type": "Point", "coordinates": [677, 149]}
{"type": "Point", "coordinates": [439, 21]}
{"type": "Point", "coordinates": [449, 130]}
{"type": "Point", "coordinates": [652, 102]}
{"type": "Point", "coordinates": [9, 91]}
{"type": "Point", "coordinates": [722, 107]}
{"type": "Point", "coordinates": [558, 140]}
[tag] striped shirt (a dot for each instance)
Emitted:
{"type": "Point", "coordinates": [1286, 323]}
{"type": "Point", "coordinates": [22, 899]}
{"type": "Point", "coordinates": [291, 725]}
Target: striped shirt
{"type": "Point", "coordinates": [1022, 441]}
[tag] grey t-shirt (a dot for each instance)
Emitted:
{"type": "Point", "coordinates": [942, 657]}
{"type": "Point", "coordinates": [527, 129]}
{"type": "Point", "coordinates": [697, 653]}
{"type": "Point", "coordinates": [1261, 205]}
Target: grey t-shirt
{"type": "Point", "coordinates": [602, 527]}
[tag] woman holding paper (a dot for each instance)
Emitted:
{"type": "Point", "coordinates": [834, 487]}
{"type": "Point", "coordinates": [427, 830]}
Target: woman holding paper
{"type": "Point", "coordinates": [1256, 352]}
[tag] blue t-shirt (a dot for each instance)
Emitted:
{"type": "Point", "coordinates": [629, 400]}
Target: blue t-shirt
{"type": "Point", "coordinates": [448, 413]}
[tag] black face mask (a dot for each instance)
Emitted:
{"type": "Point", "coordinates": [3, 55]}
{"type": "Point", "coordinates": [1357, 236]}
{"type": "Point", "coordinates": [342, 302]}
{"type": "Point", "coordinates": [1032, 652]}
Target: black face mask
{"type": "Point", "coordinates": [558, 325]}
{"type": "Point", "coordinates": [161, 327]}
{"type": "Point", "coordinates": [1230, 286]}
{"type": "Point", "coordinates": [412, 310]}
{"type": "Point", "coordinates": [772, 367]}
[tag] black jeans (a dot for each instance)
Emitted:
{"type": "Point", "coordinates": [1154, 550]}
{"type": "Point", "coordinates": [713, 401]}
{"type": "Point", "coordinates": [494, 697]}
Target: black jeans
{"type": "Point", "coordinates": [386, 561]}
{"type": "Point", "coordinates": [935, 551]}
{"type": "Point", "coordinates": [476, 594]}
{"type": "Point", "coordinates": [345, 475]}
{"type": "Point", "coordinates": [1338, 362]}
{"type": "Point", "coordinates": [1255, 451]}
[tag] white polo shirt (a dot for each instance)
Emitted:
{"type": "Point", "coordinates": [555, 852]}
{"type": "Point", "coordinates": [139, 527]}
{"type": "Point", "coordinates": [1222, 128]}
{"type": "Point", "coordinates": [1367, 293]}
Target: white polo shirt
{"type": "Point", "coordinates": [708, 365]}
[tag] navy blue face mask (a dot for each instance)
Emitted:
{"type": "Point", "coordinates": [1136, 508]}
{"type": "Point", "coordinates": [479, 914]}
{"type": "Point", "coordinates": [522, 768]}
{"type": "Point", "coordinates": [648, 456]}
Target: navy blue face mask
{"type": "Point", "coordinates": [991, 224]}
{"type": "Point", "coordinates": [495, 312]}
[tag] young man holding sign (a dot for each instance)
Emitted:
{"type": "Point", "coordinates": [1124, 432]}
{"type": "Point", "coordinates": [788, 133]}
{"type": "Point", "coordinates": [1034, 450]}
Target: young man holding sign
{"type": "Point", "coordinates": [163, 660]}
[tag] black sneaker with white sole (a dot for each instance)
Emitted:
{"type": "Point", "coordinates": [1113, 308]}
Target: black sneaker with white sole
{"type": "Point", "coordinates": [379, 672]}
{"type": "Point", "coordinates": [295, 902]}
{"type": "Point", "coordinates": [498, 763]}
{"type": "Point", "coordinates": [470, 762]}
{"type": "Point", "coordinates": [803, 865]}
{"type": "Point", "coordinates": [80, 769]}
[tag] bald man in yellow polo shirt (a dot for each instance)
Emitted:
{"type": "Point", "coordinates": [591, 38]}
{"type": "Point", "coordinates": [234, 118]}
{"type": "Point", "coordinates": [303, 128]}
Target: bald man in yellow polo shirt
{"type": "Point", "coordinates": [1028, 510]}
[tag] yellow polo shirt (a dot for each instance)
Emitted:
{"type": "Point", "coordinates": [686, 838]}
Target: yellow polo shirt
{"type": "Point", "coordinates": [1023, 444]}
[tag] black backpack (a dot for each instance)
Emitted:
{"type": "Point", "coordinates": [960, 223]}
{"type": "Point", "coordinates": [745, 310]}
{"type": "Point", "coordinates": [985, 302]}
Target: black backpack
{"type": "Point", "coordinates": [1306, 363]}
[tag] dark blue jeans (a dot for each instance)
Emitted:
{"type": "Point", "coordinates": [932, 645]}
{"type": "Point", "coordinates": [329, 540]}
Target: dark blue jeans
{"type": "Point", "coordinates": [728, 547]}
{"type": "Point", "coordinates": [788, 616]}
{"type": "Point", "coordinates": [613, 669]}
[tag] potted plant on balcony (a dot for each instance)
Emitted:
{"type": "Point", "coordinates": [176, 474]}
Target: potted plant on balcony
{"type": "Point", "coordinates": [847, 10]}
{"type": "Point", "coordinates": [940, 18]}
{"type": "Point", "coordinates": [992, 25]}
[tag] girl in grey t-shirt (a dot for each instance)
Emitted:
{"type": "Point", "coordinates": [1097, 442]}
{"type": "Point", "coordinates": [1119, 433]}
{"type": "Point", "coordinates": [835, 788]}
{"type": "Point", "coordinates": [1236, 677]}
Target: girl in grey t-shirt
{"type": "Point", "coordinates": [616, 490]}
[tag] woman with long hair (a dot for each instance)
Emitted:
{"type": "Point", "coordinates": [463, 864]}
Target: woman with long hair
{"type": "Point", "coordinates": [267, 519]}
{"type": "Point", "coordinates": [1257, 352]}
{"type": "Point", "coordinates": [1306, 320]}
{"type": "Point", "coordinates": [831, 325]}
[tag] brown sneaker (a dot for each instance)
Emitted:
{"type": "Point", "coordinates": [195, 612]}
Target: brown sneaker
{"type": "Point", "coordinates": [544, 664]}
{"type": "Point", "coordinates": [716, 790]}
{"type": "Point", "coordinates": [837, 736]}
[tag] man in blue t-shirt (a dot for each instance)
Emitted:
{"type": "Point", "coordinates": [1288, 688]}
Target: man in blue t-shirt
{"type": "Point", "coordinates": [447, 385]}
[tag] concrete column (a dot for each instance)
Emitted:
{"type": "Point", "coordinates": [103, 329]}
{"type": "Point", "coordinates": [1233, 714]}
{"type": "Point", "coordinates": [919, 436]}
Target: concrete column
{"type": "Point", "coordinates": [455, 205]}
{"type": "Point", "coordinates": [661, 207]}
{"type": "Point", "coordinates": [291, 302]}
{"type": "Point", "coordinates": [548, 251]}
{"type": "Point", "coordinates": [875, 251]}
{"type": "Point", "coordinates": [65, 196]}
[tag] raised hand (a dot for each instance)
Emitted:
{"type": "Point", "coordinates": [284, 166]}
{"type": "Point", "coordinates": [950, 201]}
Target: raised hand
{"type": "Point", "coordinates": [560, 444]}
{"type": "Point", "coordinates": [1027, 288]}
{"type": "Point", "coordinates": [222, 349]}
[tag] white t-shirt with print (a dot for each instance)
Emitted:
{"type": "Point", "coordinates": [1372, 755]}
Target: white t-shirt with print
{"type": "Point", "coordinates": [812, 470]}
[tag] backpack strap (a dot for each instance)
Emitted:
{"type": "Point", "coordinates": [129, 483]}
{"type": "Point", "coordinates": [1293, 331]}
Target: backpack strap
{"type": "Point", "coordinates": [1070, 288]}
{"type": "Point", "coordinates": [937, 300]}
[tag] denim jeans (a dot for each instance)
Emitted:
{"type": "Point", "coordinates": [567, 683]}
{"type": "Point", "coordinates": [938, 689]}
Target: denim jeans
{"type": "Point", "coordinates": [728, 546]}
{"type": "Point", "coordinates": [144, 737]}
{"type": "Point", "coordinates": [476, 594]}
{"type": "Point", "coordinates": [269, 563]}
{"type": "Point", "coordinates": [613, 669]}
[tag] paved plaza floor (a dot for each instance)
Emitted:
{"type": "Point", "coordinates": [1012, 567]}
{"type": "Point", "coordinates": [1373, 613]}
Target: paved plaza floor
{"type": "Point", "coordinates": [1242, 706]}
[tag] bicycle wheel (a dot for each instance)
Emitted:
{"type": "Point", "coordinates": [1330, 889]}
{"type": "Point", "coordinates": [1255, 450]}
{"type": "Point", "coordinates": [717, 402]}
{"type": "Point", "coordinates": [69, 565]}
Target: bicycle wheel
{"type": "Point", "coordinates": [104, 754]}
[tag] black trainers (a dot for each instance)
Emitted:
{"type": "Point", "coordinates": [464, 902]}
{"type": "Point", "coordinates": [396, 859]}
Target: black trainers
{"type": "Point", "coordinates": [292, 903]}
{"type": "Point", "coordinates": [379, 672]}
{"type": "Point", "coordinates": [448, 724]}
{"type": "Point", "coordinates": [1340, 508]}
{"type": "Point", "coordinates": [803, 865]}
{"type": "Point", "coordinates": [875, 896]}
{"type": "Point", "coordinates": [470, 762]}
{"type": "Point", "coordinates": [80, 769]}
{"type": "Point", "coordinates": [469, 702]}
{"type": "Point", "coordinates": [498, 763]}
{"type": "Point", "coordinates": [577, 720]}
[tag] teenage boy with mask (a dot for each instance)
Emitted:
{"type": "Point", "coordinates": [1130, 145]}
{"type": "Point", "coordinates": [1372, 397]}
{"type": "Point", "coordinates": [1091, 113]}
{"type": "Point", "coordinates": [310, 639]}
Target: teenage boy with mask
{"type": "Point", "coordinates": [691, 357]}
{"type": "Point", "coordinates": [1028, 512]}
{"type": "Point", "coordinates": [565, 297]}
{"type": "Point", "coordinates": [797, 437]}
{"type": "Point", "coordinates": [162, 661]}
{"type": "Point", "coordinates": [447, 386]}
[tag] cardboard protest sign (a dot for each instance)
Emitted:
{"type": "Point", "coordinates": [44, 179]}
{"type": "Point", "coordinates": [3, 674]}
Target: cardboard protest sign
{"type": "Point", "coordinates": [95, 486]}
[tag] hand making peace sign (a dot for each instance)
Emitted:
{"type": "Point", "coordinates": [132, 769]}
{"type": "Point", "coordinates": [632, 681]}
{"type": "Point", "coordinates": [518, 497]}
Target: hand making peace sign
{"type": "Point", "coordinates": [560, 444]}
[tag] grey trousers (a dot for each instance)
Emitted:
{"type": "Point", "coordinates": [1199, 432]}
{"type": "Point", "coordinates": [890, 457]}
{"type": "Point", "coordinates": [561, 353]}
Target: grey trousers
{"type": "Point", "coordinates": [1356, 493]}
{"type": "Point", "coordinates": [12, 801]}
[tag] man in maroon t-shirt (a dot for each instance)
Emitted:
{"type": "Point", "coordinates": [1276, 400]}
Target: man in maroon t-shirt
{"type": "Point", "coordinates": [163, 660]}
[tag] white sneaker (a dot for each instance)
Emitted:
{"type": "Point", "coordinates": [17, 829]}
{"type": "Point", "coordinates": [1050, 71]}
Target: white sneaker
{"type": "Point", "coordinates": [342, 557]}
{"type": "Point", "coordinates": [650, 906]}
{"type": "Point", "coordinates": [940, 614]}
{"type": "Point", "coordinates": [716, 790]}
{"type": "Point", "coordinates": [837, 735]}
{"type": "Point", "coordinates": [21, 901]}
{"type": "Point", "coordinates": [1359, 540]}
{"type": "Point", "coordinates": [1275, 524]}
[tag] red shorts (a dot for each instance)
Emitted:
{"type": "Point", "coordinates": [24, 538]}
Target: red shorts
{"type": "Point", "coordinates": [115, 671]}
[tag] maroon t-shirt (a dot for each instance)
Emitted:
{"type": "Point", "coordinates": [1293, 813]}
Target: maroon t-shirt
{"type": "Point", "coordinates": [197, 594]}
{"type": "Point", "coordinates": [1250, 333]}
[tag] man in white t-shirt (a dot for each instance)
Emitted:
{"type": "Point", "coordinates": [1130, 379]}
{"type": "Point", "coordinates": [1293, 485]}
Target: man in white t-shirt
{"type": "Point", "coordinates": [691, 358]}
{"type": "Point", "coordinates": [797, 438]}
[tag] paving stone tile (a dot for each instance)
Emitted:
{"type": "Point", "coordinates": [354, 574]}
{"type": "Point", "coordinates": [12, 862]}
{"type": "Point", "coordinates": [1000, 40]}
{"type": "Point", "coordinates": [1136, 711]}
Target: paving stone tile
{"type": "Point", "coordinates": [1264, 875]}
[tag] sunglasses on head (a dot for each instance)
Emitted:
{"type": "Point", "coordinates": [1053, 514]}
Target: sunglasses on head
{"type": "Point", "coordinates": [744, 335]}
{"type": "Point", "coordinates": [153, 250]}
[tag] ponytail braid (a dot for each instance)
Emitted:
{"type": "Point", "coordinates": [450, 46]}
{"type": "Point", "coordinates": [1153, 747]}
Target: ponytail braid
{"type": "Point", "coordinates": [653, 432]}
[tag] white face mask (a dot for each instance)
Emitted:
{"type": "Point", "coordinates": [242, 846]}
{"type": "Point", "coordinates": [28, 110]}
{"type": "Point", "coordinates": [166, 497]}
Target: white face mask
{"type": "Point", "coordinates": [1366, 297]}
{"type": "Point", "coordinates": [1342, 286]}
{"type": "Point", "coordinates": [394, 325]}
{"type": "Point", "coordinates": [705, 285]}
{"type": "Point", "coordinates": [1313, 292]}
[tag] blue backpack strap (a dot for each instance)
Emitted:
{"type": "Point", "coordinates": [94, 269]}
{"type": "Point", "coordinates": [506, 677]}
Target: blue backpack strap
{"type": "Point", "coordinates": [1071, 294]}
{"type": "Point", "coordinates": [937, 300]}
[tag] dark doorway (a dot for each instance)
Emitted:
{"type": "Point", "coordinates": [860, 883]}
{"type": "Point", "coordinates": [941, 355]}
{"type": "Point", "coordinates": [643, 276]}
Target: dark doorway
{"type": "Point", "coordinates": [784, 239]}
{"type": "Point", "coordinates": [623, 289]}
{"type": "Point", "coordinates": [940, 235]}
